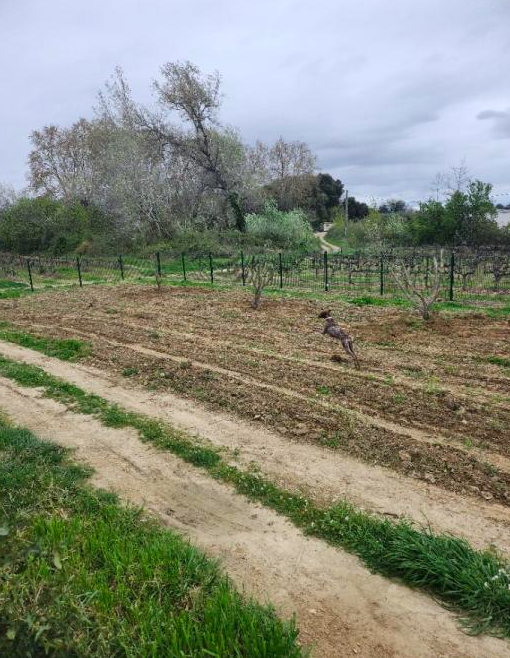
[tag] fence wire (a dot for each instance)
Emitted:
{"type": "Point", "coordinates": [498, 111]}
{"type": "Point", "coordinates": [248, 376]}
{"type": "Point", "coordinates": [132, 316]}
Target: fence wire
{"type": "Point", "coordinates": [464, 273]}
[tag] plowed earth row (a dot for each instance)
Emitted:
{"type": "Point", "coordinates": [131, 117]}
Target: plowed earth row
{"type": "Point", "coordinates": [426, 402]}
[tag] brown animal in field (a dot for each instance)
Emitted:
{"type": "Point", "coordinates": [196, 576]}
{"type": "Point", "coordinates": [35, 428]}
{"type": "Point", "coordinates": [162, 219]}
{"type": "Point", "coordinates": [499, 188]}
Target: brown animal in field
{"type": "Point", "coordinates": [335, 331]}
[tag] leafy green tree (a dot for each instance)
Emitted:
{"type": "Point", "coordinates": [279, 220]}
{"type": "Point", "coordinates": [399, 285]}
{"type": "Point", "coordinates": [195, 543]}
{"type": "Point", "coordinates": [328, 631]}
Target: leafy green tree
{"type": "Point", "coordinates": [393, 205]}
{"type": "Point", "coordinates": [281, 230]}
{"type": "Point", "coordinates": [325, 196]}
{"type": "Point", "coordinates": [431, 225]}
{"type": "Point", "coordinates": [47, 225]}
{"type": "Point", "coordinates": [357, 209]}
{"type": "Point", "coordinates": [473, 214]}
{"type": "Point", "coordinates": [467, 217]}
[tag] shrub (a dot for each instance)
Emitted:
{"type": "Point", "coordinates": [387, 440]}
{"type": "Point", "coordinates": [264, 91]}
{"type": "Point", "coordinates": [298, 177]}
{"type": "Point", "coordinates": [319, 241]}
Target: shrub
{"type": "Point", "coordinates": [261, 273]}
{"type": "Point", "coordinates": [281, 230]}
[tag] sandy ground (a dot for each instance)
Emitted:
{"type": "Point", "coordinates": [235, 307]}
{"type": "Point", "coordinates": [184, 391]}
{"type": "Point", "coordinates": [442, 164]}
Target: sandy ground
{"type": "Point", "coordinates": [342, 608]}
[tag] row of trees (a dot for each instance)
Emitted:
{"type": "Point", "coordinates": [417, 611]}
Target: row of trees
{"type": "Point", "coordinates": [156, 173]}
{"type": "Point", "coordinates": [136, 175]}
{"type": "Point", "coordinates": [465, 216]}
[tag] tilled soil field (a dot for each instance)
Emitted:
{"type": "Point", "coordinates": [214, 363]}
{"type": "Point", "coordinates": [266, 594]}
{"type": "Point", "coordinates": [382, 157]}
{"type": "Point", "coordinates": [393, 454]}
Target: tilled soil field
{"type": "Point", "coordinates": [429, 400]}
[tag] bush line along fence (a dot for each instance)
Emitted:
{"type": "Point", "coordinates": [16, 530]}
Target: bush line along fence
{"type": "Point", "coordinates": [465, 273]}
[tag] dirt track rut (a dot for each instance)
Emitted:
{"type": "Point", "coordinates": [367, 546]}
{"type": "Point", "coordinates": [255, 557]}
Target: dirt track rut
{"type": "Point", "coordinates": [342, 608]}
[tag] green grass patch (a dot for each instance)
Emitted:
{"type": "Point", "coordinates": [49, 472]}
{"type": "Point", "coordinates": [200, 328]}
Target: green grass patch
{"type": "Point", "coordinates": [10, 289]}
{"type": "Point", "coordinates": [9, 283]}
{"type": "Point", "coordinates": [369, 300]}
{"type": "Point", "coordinates": [502, 361]}
{"type": "Point", "coordinates": [483, 304]}
{"type": "Point", "coordinates": [66, 349]}
{"type": "Point", "coordinates": [494, 306]}
{"type": "Point", "coordinates": [498, 312]}
{"type": "Point", "coordinates": [475, 583]}
{"type": "Point", "coordinates": [130, 372]}
{"type": "Point", "coordinates": [83, 576]}
{"type": "Point", "coordinates": [11, 294]}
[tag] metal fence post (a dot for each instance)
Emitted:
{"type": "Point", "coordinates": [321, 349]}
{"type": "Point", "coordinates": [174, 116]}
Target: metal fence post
{"type": "Point", "coordinates": [158, 263]}
{"type": "Point", "coordinates": [121, 265]}
{"type": "Point", "coordinates": [30, 275]}
{"type": "Point", "coordinates": [326, 282]}
{"type": "Point", "coordinates": [381, 282]}
{"type": "Point", "coordinates": [211, 268]}
{"type": "Point", "coordinates": [281, 269]}
{"type": "Point", "coordinates": [452, 274]}
{"type": "Point", "coordinates": [78, 267]}
{"type": "Point", "coordinates": [183, 266]}
{"type": "Point", "coordinates": [243, 273]}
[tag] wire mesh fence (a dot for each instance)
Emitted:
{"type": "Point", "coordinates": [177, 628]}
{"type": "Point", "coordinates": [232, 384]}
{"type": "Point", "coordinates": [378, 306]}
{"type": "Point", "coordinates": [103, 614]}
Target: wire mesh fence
{"type": "Point", "coordinates": [463, 273]}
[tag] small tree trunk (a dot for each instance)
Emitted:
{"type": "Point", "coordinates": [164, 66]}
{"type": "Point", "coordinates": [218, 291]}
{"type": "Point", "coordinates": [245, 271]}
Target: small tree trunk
{"type": "Point", "coordinates": [256, 300]}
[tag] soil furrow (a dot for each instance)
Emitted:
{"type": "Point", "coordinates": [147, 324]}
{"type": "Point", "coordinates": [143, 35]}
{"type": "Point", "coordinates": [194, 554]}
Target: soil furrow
{"type": "Point", "coordinates": [432, 412]}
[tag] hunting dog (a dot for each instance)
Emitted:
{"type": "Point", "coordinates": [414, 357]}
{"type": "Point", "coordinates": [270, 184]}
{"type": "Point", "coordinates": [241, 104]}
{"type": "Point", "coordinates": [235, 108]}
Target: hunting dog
{"type": "Point", "coordinates": [335, 331]}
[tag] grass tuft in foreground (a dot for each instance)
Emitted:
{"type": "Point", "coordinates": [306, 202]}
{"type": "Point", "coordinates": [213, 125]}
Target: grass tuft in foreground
{"type": "Point", "coordinates": [66, 349]}
{"type": "Point", "coordinates": [477, 583]}
{"type": "Point", "coordinates": [82, 576]}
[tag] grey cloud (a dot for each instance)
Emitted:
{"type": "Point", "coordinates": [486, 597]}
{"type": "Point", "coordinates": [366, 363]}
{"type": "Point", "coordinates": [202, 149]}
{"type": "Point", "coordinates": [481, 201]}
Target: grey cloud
{"type": "Point", "coordinates": [387, 98]}
{"type": "Point", "coordinates": [500, 122]}
{"type": "Point", "coordinates": [491, 114]}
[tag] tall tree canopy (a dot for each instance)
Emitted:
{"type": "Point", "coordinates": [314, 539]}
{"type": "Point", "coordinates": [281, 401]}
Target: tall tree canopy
{"type": "Point", "coordinates": [161, 168]}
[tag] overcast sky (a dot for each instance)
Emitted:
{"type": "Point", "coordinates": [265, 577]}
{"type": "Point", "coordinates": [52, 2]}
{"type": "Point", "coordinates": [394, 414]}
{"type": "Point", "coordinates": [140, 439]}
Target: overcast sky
{"type": "Point", "coordinates": [386, 92]}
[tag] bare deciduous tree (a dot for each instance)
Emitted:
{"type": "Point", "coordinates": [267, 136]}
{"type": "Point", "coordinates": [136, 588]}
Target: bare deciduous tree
{"type": "Point", "coordinates": [60, 161]}
{"type": "Point", "coordinates": [261, 273]}
{"type": "Point", "coordinates": [456, 179]}
{"type": "Point", "coordinates": [287, 169]}
{"type": "Point", "coordinates": [423, 299]}
{"type": "Point", "coordinates": [467, 262]}
{"type": "Point", "coordinates": [459, 178]}
{"type": "Point", "coordinates": [500, 267]}
{"type": "Point", "coordinates": [217, 151]}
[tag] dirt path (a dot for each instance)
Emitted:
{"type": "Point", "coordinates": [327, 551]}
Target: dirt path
{"type": "Point", "coordinates": [322, 474]}
{"type": "Point", "coordinates": [326, 246]}
{"type": "Point", "coordinates": [342, 608]}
